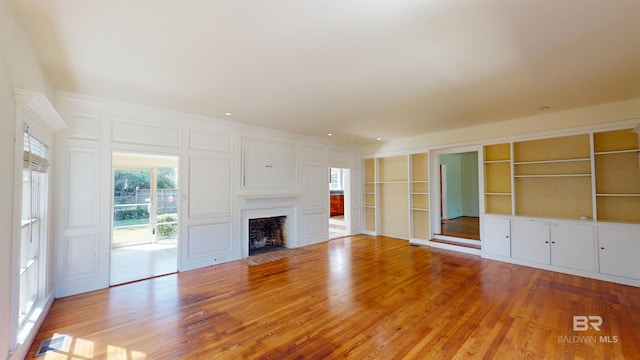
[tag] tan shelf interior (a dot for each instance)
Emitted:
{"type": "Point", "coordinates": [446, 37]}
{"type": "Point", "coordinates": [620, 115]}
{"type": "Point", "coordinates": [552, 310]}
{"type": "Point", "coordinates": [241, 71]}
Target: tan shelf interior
{"type": "Point", "coordinates": [497, 177]}
{"type": "Point", "coordinates": [369, 170]}
{"type": "Point", "coordinates": [498, 204]}
{"type": "Point", "coordinates": [393, 168]}
{"type": "Point", "coordinates": [420, 224]}
{"type": "Point", "coordinates": [497, 152]}
{"type": "Point", "coordinates": [420, 167]}
{"type": "Point", "coordinates": [370, 219]}
{"type": "Point", "coordinates": [619, 208]}
{"type": "Point", "coordinates": [615, 140]}
{"type": "Point", "coordinates": [369, 188]}
{"type": "Point", "coordinates": [370, 200]}
{"type": "Point", "coordinates": [394, 207]}
{"type": "Point", "coordinates": [559, 148]}
{"type": "Point", "coordinates": [618, 173]}
{"type": "Point", "coordinates": [370, 195]}
{"type": "Point", "coordinates": [557, 197]}
{"type": "Point", "coordinates": [420, 201]}
{"type": "Point", "coordinates": [554, 168]}
{"type": "Point", "coordinates": [420, 187]}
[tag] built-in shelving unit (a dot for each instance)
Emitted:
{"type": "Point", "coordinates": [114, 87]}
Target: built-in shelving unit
{"type": "Point", "coordinates": [553, 177]}
{"type": "Point", "coordinates": [419, 196]}
{"type": "Point", "coordinates": [369, 200]}
{"type": "Point", "coordinates": [393, 203]}
{"type": "Point", "coordinates": [617, 175]}
{"type": "Point", "coordinates": [497, 170]}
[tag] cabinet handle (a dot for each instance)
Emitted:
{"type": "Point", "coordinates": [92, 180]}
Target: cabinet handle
{"type": "Point", "coordinates": [602, 248]}
{"type": "Point", "coordinates": [546, 242]}
{"type": "Point", "coordinates": [507, 236]}
{"type": "Point", "coordinates": [553, 242]}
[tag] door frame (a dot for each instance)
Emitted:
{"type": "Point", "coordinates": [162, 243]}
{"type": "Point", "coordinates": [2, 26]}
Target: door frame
{"type": "Point", "coordinates": [153, 188]}
{"type": "Point", "coordinates": [347, 193]}
{"type": "Point", "coordinates": [434, 186]}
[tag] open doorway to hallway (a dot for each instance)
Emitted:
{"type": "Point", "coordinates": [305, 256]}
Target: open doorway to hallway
{"type": "Point", "coordinates": [459, 197]}
{"type": "Point", "coordinates": [144, 233]}
{"type": "Point", "coordinates": [339, 198]}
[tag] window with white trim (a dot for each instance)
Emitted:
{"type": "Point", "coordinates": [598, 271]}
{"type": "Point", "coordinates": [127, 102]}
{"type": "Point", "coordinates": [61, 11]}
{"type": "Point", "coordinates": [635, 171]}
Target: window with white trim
{"type": "Point", "coordinates": [33, 223]}
{"type": "Point", "coordinates": [336, 177]}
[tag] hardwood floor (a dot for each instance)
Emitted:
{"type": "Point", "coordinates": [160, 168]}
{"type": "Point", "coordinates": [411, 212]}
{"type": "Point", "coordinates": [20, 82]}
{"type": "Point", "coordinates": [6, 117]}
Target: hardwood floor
{"type": "Point", "coordinates": [354, 297]}
{"type": "Point", "coordinates": [466, 227]}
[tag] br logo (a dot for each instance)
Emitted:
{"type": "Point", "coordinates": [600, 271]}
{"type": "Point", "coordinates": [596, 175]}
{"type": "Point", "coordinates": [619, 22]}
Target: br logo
{"type": "Point", "coordinates": [583, 323]}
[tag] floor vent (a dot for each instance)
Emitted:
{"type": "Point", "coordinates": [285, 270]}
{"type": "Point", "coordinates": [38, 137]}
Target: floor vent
{"type": "Point", "coordinates": [56, 343]}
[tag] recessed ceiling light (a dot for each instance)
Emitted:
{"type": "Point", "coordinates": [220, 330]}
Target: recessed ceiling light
{"type": "Point", "coordinates": [228, 113]}
{"type": "Point", "coordinates": [545, 108]}
{"type": "Point", "coordinates": [379, 138]}
{"type": "Point", "coordinates": [329, 134]}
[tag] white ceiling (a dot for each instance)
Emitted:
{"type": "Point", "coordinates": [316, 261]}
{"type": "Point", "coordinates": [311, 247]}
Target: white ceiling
{"type": "Point", "coordinates": [357, 69]}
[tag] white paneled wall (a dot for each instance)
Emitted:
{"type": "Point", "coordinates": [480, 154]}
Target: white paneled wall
{"type": "Point", "coordinates": [268, 165]}
{"type": "Point", "coordinates": [209, 187]}
{"type": "Point", "coordinates": [83, 188]}
{"type": "Point", "coordinates": [226, 172]}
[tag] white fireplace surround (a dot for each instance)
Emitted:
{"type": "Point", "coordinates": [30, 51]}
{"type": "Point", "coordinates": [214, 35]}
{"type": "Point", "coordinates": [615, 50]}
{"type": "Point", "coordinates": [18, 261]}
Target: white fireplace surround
{"type": "Point", "coordinates": [263, 207]}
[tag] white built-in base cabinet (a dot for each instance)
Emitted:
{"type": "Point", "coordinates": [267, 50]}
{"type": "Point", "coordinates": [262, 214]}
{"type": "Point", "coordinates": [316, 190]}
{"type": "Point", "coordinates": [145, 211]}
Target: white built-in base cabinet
{"type": "Point", "coordinates": [604, 251]}
{"type": "Point", "coordinates": [496, 236]}
{"type": "Point", "coordinates": [619, 250]}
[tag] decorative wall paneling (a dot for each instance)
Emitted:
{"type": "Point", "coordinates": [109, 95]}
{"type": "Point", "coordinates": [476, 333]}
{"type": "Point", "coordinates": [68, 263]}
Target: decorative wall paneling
{"type": "Point", "coordinates": [222, 164]}
{"type": "Point", "coordinates": [268, 165]}
{"type": "Point", "coordinates": [209, 182]}
{"type": "Point", "coordinates": [140, 133]}
{"type": "Point", "coordinates": [315, 195]}
{"type": "Point", "coordinates": [84, 126]}
{"type": "Point", "coordinates": [200, 139]}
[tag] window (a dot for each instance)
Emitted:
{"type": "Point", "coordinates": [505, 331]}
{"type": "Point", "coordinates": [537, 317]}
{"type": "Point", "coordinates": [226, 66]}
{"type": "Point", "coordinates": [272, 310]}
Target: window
{"type": "Point", "coordinates": [33, 223]}
{"type": "Point", "coordinates": [336, 183]}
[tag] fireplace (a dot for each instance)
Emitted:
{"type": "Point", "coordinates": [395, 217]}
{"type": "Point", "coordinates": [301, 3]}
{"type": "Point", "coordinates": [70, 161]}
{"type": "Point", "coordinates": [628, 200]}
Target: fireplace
{"type": "Point", "coordinates": [267, 234]}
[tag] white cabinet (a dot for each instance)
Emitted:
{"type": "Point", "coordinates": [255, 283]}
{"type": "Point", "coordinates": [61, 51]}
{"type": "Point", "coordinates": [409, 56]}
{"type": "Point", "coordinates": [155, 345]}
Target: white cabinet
{"type": "Point", "coordinates": [561, 244]}
{"type": "Point", "coordinates": [530, 241]}
{"type": "Point", "coordinates": [619, 250]}
{"type": "Point", "coordinates": [496, 236]}
{"type": "Point", "coordinates": [572, 246]}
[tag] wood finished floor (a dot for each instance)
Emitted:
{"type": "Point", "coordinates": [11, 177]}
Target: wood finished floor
{"type": "Point", "coordinates": [466, 227]}
{"type": "Point", "coordinates": [355, 297]}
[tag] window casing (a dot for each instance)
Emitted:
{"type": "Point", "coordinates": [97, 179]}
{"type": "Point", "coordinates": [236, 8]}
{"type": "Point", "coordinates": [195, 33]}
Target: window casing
{"type": "Point", "coordinates": [33, 224]}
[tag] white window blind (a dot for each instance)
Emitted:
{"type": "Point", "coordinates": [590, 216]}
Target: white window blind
{"type": "Point", "coordinates": [36, 154]}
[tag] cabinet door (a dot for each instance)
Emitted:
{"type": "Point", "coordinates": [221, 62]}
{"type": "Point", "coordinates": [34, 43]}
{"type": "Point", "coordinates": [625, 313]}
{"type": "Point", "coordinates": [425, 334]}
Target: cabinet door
{"type": "Point", "coordinates": [496, 236]}
{"type": "Point", "coordinates": [572, 246]}
{"type": "Point", "coordinates": [619, 249]}
{"type": "Point", "coordinates": [530, 241]}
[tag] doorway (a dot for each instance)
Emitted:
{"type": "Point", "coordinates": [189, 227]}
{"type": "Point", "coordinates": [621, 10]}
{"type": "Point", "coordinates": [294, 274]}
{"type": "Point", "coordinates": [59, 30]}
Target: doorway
{"type": "Point", "coordinates": [459, 196]}
{"type": "Point", "coordinates": [339, 200]}
{"type": "Point", "coordinates": [144, 231]}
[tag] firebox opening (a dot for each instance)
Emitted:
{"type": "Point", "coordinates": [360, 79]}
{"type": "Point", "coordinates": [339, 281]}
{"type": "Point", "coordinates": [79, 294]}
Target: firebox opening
{"type": "Point", "coordinates": [267, 234]}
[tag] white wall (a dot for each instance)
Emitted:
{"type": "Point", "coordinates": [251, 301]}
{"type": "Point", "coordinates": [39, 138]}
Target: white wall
{"type": "Point", "coordinates": [548, 122]}
{"type": "Point", "coordinates": [226, 171]}
{"type": "Point", "coordinates": [19, 68]}
{"type": "Point", "coordinates": [453, 164]}
{"type": "Point", "coordinates": [470, 188]}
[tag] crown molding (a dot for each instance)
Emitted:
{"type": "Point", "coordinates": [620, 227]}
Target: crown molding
{"type": "Point", "coordinates": [38, 104]}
